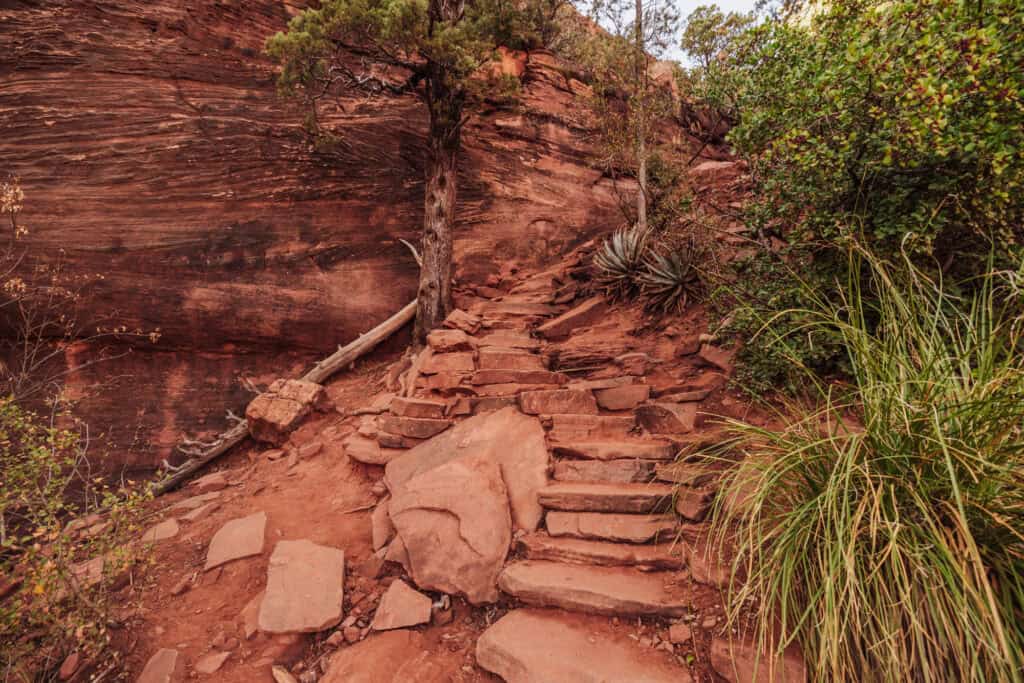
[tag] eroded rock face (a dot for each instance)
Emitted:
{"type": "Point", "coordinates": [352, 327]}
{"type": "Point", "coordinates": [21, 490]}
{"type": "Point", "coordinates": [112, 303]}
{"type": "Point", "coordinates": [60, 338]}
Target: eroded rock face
{"type": "Point", "coordinates": [156, 151]}
{"type": "Point", "coordinates": [454, 524]}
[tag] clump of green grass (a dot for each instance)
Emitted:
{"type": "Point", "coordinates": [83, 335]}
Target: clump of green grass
{"type": "Point", "coordinates": [883, 530]}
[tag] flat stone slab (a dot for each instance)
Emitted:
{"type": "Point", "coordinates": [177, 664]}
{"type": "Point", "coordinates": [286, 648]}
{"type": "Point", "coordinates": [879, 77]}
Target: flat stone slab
{"type": "Point", "coordinates": [461, 362]}
{"type": "Point", "coordinates": [613, 450]}
{"type": "Point", "coordinates": [508, 339]}
{"type": "Point", "coordinates": [401, 607]}
{"type": "Point", "coordinates": [195, 501]}
{"type": "Point", "coordinates": [583, 315]}
{"type": "Point", "coordinates": [444, 341]}
{"type": "Point", "coordinates": [557, 402]}
{"type": "Point", "coordinates": [618, 471]}
{"type": "Point", "coordinates": [499, 358]}
{"type": "Point", "coordinates": [541, 646]}
{"type": "Point", "coordinates": [685, 473]}
{"type": "Point", "coordinates": [597, 497]}
{"type": "Point", "coordinates": [161, 532]}
{"type": "Point", "coordinates": [576, 550]}
{"type": "Point", "coordinates": [418, 407]}
{"type": "Point", "coordinates": [305, 588]}
{"type": "Point", "coordinates": [503, 376]}
{"type": "Point", "coordinates": [668, 418]}
{"type": "Point", "coordinates": [413, 427]}
{"type": "Point", "coordinates": [242, 537]}
{"type": "Point", "coordinates": [535, 646]}
{"type": "Point", "coordinates": [743, 662]}
{"type": "Point", "coordinates": [367, 451]}
{"type": "Point", "coordinates": [591, 427]}
{"type": "Point", "coordinates": [165, 666]}
{"type": "Point", "coordinates": [625, 397]}
{"type": "Point", "coordinates": [611, 527]}
{"type": "Point", "coordinates": [211, 663]}
{"type": "Point", "coordinates": [611, 591]}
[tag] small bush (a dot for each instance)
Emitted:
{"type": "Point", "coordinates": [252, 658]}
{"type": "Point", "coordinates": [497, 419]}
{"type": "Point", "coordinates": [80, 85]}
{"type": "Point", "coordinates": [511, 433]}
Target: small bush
{"type": "Point", "coordinates": [620, 261]}
{"type": "Point", "coordinates": [884, 530]}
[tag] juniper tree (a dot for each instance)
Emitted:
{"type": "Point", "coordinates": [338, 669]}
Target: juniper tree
{"type": "Point", "coordinates": [437, 48]}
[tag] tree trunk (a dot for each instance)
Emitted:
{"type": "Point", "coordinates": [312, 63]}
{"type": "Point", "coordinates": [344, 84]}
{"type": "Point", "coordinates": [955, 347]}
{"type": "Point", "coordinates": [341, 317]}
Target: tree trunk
{"type": "Point", "coordinates": [640, 92]}
{"type": "Point", "coordinates": [435, 290]}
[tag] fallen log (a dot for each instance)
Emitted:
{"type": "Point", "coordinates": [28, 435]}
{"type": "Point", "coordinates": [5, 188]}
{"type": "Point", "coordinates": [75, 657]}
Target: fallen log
{"type": "Point", "coordinates": [323, 369]}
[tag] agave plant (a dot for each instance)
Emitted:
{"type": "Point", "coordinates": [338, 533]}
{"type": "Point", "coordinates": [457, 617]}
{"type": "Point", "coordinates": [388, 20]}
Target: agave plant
{"type": "Point", "coordinates": [620, 261]}
{"type": "Point", "coordinates": [669, 280]}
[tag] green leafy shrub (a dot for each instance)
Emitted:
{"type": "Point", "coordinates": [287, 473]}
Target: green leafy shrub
{"type": "Point", "coordinates": [63, 545]}
{"type": "Point", "coordinates": [898, 123]}
{"type": "Point", "coordinates": [884, 529]}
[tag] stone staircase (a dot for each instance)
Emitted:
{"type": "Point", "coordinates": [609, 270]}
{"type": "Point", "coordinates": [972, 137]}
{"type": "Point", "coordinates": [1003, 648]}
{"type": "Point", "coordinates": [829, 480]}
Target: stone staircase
{"type": "Point", "coordinates": [610, 542]}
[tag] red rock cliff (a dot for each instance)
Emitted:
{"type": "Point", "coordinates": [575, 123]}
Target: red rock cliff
{"type": "Point", "coordinates": [153, 149]}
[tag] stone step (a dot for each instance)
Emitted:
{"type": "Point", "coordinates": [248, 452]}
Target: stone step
{"type": "Point", "coordinates": [600, 497]}
{"type": "Point", "coordinates": [504, 358]}
{"type": "Point", "coordinates": [540, 546]}
{"type": "Point", "coordinates": [611, 591]}
{"type": "Point", "coordinates": [557, 402]}
{"type": "Point", "coordinates": [582, 315]}
{"type": "Point", "coordinates": [534, 646]}
{"type": "Point", "coordinates": [636, 449]}
{"type": "Point", "coordinates": [569, 428]}
{"type": "Point", "coordinates": [513, 309]}
{"type": "Point", "coordinates": [618, 471]}
{"type": "Point", "coordinates": [506, 376]}
{"type": "Point", "coordinates": [603, 526]}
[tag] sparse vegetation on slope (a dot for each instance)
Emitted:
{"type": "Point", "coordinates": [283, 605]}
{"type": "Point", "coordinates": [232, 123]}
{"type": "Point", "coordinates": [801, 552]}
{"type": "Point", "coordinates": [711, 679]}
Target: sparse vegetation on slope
{"type": "Point", "coordinates": [883, 529]}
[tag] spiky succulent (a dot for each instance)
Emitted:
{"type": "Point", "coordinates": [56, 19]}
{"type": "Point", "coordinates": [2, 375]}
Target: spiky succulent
{"type": "Point", "coordinates": [620, 261]}
{"type": "Point", "coordinates": [669, 281]}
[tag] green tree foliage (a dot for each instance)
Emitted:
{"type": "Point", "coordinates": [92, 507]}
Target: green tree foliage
{"type": "Point", "coordinates": [434, 49]}
{"type": "Point", "coordinates": [898, 122]}
{"type": "Point", "coordinates": [896, 125]}
{"type": "Point", "coordinates": [709, 33]}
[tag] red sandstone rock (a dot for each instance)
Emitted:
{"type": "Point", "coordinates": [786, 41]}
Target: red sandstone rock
{"type": "Point", "coordinates": [718, 357]}
{"type": "Point", "coordinates": [693, 503]}
{"type": "Point", "coordinates": [461, 320]}
{"type": "Point", "coordinates": [275, 413]}
{"type": "Point", "coordinates": [238, 538]}
{"type": "Point", "coordinates": [364, 450]}
{"type": "Point", "coordinates": [461, 506]}
{"type": "Point", "coordinates": [598, 497]}
{"type": "Point", "coordinates": [382, 530]}
{"type": "Point", "coordinates": [165, 666]}
{"type": "Point", "coordinates": [581, 551]}
{"type": "Point", "coordinates": [445, 341]}
{"type": "Point", "coordinates": [523, 468]}
{"type": "Point", "coordinates": [211, 663]}
{"type": "Point", "coordinates": [624, 528]}
{"type": "Point", "coordinates": [161, 532]}
{"type": "Point", "coordinates": [668, 418]}
{"type": "Point", "coordinates": [460, 362]}
{"type": "Point", "coordinates": [744, 662]}
{"type": "Point", "coordinates": [413, 427]}
{"type": "Point", "coordinates": [498, 358]}
{"type": "Point", "coordinates": [567, 428]}
{"type": "Point", "coordinates": [614, 591]}
{"type": "Point", "coordinates": [612, 450]}
{"type": "Point", "coordinates": [401, 607]}
{"type": "Point", "coordinates": [305, 588]}
{"type": "Point", "coordinates": [625, 397]}
{"type": "Point", "coordinates": [585, 314]}
{"type": "Point", "coordinates": [517, 377]}
{"type": "Point", "coordinates": [534, 646]}
{"type": "Point", "coordinates": [559, 401]}
{"type": "Point", "coordinates": [621, 471]}
{"type": "Point", "coordinates": [418, 407]}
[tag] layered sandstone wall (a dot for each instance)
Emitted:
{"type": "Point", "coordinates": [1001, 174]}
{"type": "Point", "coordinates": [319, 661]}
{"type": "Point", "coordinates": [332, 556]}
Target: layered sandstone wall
{"type": "Point", "coordinates": [153, 149]}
